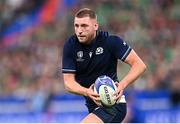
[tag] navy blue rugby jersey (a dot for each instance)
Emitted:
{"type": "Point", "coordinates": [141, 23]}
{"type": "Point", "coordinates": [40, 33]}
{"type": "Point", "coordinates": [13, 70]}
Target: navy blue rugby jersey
{"type": "Point", "coordinates": [100, 57]}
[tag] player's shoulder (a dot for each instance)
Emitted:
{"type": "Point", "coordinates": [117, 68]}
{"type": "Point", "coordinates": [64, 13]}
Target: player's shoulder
{"type": "Point", "coordinates": [109, 39]}
{"type": "Point", "coordinates": [71, 40]}
{"type": "Point", "coordinates": [114, 38]}
{"type": "Point", "coordinates": [108, 36]}
{"type": "Point", "coordinates": [103, 34]}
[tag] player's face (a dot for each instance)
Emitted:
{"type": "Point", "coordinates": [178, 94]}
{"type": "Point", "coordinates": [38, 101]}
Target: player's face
{"type": "Point", "coordinates": [85, 29]}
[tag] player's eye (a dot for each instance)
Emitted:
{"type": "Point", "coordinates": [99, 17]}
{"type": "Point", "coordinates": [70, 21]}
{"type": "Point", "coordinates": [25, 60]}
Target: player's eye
{"type": "Point", "coordinates": [84, 25]}
{"type": "Point", "coordinates": [76, 25]}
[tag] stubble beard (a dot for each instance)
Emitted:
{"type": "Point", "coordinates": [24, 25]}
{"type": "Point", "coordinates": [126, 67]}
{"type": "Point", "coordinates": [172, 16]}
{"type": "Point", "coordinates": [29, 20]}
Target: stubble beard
{"type": "Point", "coordinates": [87, 39]}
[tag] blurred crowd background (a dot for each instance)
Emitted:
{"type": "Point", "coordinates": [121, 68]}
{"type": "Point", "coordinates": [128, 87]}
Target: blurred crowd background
{"type": "Point", "coordinates": [32, 34]}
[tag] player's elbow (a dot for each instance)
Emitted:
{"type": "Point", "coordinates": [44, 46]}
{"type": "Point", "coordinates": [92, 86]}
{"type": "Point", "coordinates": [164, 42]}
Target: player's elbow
{"type": "Point", "coordinates": [140, 65]}
{"type": "Point", "coordinates": [67, 87]}
{"type": "Point", "coordinates": [143, 67]}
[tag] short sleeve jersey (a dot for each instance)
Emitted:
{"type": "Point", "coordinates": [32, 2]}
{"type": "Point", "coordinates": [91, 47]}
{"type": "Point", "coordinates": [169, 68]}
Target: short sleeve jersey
{"type": "Point", "coordinates": [100, 57]}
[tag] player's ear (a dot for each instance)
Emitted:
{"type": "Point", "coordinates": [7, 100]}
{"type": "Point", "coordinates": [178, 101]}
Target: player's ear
{"type": "Point", "coordinates": [96, 26]}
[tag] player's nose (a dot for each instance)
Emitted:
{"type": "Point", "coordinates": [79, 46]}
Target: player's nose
{"type": "Point", "coordinates": [80, 32]}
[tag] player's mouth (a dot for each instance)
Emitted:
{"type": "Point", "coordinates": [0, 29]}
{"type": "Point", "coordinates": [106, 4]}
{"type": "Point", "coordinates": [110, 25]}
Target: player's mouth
{"type": "Point", "coordinates": [81, 36]}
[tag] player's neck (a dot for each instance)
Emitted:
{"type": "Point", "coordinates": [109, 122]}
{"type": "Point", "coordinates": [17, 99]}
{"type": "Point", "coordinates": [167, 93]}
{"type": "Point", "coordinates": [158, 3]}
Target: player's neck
{"type": "Point", "coordinates": [94, 37]}
{"type": "Point", "coordinates": [92, 40]}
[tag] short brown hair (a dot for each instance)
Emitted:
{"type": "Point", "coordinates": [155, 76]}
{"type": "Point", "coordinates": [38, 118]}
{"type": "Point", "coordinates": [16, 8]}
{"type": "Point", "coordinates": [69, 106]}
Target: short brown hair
{"type": "Point", "coordinates": [86, 12]}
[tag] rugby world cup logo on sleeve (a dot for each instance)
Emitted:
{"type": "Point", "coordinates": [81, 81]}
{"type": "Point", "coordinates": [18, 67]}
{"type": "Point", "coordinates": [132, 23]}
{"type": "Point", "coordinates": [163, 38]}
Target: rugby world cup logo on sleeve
{"type": "Point", "coordinates": [80, 56]}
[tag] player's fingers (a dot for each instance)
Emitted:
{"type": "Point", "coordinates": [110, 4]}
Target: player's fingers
{"type": "Point", "coordinates": [119, 95]}
{"type": "Point", "coordinates": [97, 99]}
{"type": "Point", "coordinates": [92, 86]}
{"type": "Point", "coordinates": [90, 92]}
{"type": "Point", "coordinates": [98, 103]}
{"type": "Point", "coordinates": [94, 94]}
{"type": "Point", "coordinates": [116, 83]}
{"type": "Point", "coordinates": [117, 92]}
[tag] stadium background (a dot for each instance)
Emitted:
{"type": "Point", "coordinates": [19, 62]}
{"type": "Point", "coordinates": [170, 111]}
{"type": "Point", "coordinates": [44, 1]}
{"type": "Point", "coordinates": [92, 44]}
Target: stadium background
{"type": "Point", "coordinates": [32, 34]}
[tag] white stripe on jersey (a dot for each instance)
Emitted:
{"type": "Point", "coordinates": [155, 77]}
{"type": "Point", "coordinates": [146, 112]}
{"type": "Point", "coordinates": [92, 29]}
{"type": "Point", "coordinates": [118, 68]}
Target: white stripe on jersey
{"type": "Point", "coordinates": [125, 53]}
{"type": "Point", "coordinates": [68, 70]}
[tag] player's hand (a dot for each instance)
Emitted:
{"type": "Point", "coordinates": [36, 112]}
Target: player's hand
{"type": "Point", "coordinates": [119, 91]}
{"type": "Point", "coordinates": [94, 96]}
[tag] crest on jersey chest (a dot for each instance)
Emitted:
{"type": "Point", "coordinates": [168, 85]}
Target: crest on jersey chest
{"type": "Point", "coordinates": [99, 50]}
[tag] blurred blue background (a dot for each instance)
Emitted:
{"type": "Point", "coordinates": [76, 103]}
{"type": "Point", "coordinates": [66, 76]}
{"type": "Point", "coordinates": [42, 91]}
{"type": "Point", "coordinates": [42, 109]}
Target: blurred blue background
{"type": "Point", "coordinates": [32, 34]}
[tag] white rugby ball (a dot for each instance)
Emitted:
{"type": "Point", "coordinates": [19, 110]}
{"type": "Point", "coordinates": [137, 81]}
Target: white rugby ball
{"type": "Point", "coordinates": [106, 88]}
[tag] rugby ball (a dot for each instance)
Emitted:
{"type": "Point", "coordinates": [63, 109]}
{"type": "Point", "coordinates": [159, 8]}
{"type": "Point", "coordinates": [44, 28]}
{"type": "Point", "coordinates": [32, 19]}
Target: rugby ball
{"type": "Point", "coordinates": [106, 88]}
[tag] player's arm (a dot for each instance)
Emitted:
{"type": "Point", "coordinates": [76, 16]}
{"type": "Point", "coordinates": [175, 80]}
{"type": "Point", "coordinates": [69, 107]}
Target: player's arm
{"type": "Point", "coordinates": [121, 50]}
{"type": "Point", "coordinates": [69, 69]}
{"type": "Point", "coordinates": [74, 87]}
{"type": "Point", "coordinates": [137, 69]}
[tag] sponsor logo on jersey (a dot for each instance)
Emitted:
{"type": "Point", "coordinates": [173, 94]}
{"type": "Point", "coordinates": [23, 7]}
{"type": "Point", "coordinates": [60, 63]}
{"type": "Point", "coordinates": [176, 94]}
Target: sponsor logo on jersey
{"type": "Point", "coordinates": [90, 54]}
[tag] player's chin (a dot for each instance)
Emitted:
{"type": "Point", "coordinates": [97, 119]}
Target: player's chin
{"type": "Point", "coordinates": [82, 40]}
